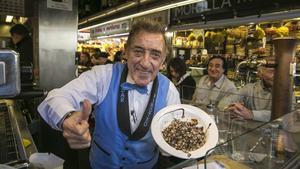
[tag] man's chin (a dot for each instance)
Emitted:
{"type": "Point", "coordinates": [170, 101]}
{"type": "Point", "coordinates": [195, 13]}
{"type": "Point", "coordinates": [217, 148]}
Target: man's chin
{"type": "Point", "coordinates": [143, 83]}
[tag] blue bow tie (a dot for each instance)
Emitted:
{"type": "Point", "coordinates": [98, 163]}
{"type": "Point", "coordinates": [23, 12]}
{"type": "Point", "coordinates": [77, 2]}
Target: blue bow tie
{"type": "Point", "coordinates": [129, 86]}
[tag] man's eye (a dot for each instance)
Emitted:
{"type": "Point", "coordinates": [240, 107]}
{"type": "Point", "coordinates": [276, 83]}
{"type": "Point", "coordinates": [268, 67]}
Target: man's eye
{"type": "Point", "coordinates": [155, 55]}
{"type": "Point", "coordinates": [138, 51]}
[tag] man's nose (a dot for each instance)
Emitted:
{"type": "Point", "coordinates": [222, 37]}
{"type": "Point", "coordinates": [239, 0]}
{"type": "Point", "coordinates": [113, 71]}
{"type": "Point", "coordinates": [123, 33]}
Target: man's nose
{"type": "Point", "coordinates": [146, 59]}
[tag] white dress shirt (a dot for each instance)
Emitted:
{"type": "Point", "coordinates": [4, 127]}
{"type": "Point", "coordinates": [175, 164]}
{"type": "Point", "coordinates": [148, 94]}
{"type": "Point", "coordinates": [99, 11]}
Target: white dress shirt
{"type": "Point", "coordinates": [207, 93]}
{"type": "Point", "coordinates": [93, 85]}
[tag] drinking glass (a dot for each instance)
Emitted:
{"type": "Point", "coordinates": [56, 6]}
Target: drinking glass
{"type": "Point", "coordinates": [239, 143]}
{"type": "Point", "coordinates": [223, 126]}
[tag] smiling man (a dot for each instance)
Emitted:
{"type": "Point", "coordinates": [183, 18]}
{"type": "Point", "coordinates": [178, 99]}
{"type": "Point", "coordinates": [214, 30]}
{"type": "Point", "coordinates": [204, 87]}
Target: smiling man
{"type": "Point", "coordinates": [215, 85]}
{"type": "Point", "coordinates": [125, 96]}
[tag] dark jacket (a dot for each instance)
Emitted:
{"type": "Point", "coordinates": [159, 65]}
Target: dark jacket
{"type": "Point", "coordinates": [186, 88]}
{"type": "Point", "coordinates": [25, 49]}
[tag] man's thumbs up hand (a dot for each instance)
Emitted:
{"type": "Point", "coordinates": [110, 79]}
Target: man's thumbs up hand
{"type": "Point", "coordinates": [76, 127]}
{"type": "Point", "coordinates": [86, 110]}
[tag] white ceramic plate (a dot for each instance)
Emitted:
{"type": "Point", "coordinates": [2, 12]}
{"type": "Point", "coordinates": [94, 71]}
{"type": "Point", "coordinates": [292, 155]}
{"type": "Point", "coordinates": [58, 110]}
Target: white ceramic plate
{"type": "Point", "coordinates": [165, 116]}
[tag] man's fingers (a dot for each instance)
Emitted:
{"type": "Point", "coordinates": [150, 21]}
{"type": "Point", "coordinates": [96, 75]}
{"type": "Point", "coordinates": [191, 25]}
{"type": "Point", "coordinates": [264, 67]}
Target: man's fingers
{"type": "Point", "coordinates": [83, 137]}
{"type": "Point", "coordinates": [86, 109]}
{"type": "Point", "coordinates": [74, 125]}
{"type": "Point", "coordinates": [239, 106]}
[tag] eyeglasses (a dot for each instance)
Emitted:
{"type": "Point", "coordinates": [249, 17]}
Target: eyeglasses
{"type": "Point", "coordinates": [139, 52]}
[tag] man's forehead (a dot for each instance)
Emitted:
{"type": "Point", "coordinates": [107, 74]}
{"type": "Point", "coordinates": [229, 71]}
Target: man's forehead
{"type": "Point", "coordinates": [216, 61]}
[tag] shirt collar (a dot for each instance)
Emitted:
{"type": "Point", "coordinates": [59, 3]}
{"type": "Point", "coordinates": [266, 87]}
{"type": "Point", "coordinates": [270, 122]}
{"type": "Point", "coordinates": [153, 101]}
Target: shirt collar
{"type": "Point", "coordinates": [218, 83]}
{"type": "Point", "coordinates": [264, 86]}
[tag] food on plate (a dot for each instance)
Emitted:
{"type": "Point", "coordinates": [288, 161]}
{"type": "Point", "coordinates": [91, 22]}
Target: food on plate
{"type": "Point", "coordinates": [186, 136]}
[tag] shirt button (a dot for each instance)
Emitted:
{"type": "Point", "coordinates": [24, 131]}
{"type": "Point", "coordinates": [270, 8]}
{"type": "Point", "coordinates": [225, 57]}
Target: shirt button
{"type": "Point", "coordinates": [121, 167]}
{"type": "Point", "coordinates": [126, 148]}
{"type": "Point", "coordinates": [123, 158]}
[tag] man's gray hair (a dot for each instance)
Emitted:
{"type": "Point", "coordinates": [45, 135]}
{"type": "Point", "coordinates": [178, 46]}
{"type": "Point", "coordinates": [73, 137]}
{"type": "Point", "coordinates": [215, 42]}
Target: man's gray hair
{"type": "Point", "coordinates": [148, 26]}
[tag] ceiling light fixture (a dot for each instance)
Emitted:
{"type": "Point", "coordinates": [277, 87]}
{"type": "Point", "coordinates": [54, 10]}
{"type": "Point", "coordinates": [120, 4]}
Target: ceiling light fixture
{"type": "Point", "coordinates": [108, 12]}
{"type": "Point", "coordinates": [112, 36]}
{"type": "Point", "coordinates": [162, 8]}
{"type": "Point", "coordinates": [9, 18]}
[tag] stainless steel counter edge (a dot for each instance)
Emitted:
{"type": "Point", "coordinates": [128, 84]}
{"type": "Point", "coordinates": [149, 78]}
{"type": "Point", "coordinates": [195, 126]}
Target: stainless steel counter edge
{"type": "Point", "coordinates": [21, 130]}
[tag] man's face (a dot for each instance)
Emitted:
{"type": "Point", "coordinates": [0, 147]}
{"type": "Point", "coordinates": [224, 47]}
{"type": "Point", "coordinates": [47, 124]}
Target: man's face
{"type": "Point", "coordinates": [215, 69]}
{"type": "Point", "coordinates": [145, 54]}
{"type": "Point", "coordinates": [267, 75]}
{"type": "Point", "coordinates": [83, 58]}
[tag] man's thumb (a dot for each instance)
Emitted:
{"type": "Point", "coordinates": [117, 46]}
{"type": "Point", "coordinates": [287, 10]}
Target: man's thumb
{"type": "Point", "coordinates": [86, 109]}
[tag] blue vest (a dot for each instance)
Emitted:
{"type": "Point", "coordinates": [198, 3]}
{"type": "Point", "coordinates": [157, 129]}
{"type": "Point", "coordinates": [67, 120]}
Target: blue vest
{"type": "Point", "coordinates": [111, 149]}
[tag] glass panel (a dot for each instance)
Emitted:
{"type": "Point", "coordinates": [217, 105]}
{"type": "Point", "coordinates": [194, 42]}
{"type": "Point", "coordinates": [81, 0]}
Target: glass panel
{"type": "Point", "coordinates": [269, 145]}
{"type": "Point", "coordinates": [246, 143]}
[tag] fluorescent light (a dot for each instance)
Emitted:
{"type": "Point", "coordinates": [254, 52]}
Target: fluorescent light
{"type": "Point", "coordinates": [9, 18]}
{"type": "Point", "coordinates": [114, 35]}
{"type": "Point", "coordinates": [126, 6]}
{"type": "Point", "coordinates": [22, 20]}
{"type": "Point", "coordinates": [109, 12]}
{"type": "Point", "coordinates": [162, 8]}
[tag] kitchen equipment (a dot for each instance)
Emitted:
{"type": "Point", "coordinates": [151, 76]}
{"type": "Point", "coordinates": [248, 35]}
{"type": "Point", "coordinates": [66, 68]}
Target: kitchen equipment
{"type": "Point", "coordinates": [9, 74]}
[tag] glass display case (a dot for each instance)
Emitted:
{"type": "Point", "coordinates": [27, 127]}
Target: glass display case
{"type": "Point", "coordinates": [244, 144]}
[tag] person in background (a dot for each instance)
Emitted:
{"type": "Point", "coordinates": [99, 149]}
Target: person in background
{"type": "Point", "coordinates": [24, 46]}
{"type": "Point", "coordinates": [177, 73]}
{"type": "Point", "coordinates": [215, 85]}
{"type": "Point", "coordinates": [254, 100]}
{"type": "Point", "coordinates": [84, 63]}
{"type": "Point", "coordinates": [85, 60]}
{"type": "Point", "coordinates": [118, 57]}
{"type": "Point", "coordinates": [125, 99]}
{"type": "Point", "coordinates": [100, 58]}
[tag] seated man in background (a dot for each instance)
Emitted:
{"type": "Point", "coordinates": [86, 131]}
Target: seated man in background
{"type": "Point", "coordinates": [254, 100]}
{"type": "Point", "coordinates": [215, 85]}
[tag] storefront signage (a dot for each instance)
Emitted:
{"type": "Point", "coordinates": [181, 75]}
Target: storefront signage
{"type": "Point", "coordinates": [161, 17]}
{"type": "Point", "coordinates": [190, 9]}
{"type": "Point", "coordinates": [221, 9]}
{"type": "Point", "coordinates": [83, 36]}
{"type": "Point", "coordinates": [110, 29]}
{"type": "Point", "coordinates": [217, 4]}
{"type": "Point", "coordinates": [202, 6]}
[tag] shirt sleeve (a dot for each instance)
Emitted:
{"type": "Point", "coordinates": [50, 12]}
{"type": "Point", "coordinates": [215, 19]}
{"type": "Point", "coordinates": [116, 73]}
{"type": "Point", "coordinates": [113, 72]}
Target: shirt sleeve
{"type": "Point", "coordinates": [173, 95]}
{"type": "Point", "coordinates": [232, 97]}
{"type": "Point", "coordinates": [91, 85]}
{"type": "Point", "coordinates": [172, 98]}
{"type": "Point", "coordinates": [261, 115]}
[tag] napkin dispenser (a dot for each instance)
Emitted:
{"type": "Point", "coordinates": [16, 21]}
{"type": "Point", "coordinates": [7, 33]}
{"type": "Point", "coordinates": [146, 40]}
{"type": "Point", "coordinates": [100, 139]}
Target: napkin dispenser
{"type": "Point", "coordinates": [10, 85]}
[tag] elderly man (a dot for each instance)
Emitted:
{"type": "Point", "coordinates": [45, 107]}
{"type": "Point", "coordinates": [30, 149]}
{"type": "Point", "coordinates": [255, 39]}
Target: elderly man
{"type": "Point", "coordinates": [126, 97]}
{"type": "Point", "coordinates": [254, 100]}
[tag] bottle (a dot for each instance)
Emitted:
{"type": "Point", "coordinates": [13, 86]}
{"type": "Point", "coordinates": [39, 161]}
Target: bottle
{"type": "Point", "coordinates": [273, 140]}
{"type": "Point", "coordinates": [211, 108]}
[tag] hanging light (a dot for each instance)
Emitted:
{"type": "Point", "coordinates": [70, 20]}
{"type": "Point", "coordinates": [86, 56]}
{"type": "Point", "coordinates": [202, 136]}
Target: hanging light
{"type": "Point", "coordinates": [9, 18]}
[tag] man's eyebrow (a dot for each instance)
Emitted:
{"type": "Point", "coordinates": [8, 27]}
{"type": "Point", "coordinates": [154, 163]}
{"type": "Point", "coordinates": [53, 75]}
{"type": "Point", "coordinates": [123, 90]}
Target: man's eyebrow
{"type": "Point", "coordinates": [139, 47]}
{"type": "Point", "coordinates": [151, 49]}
